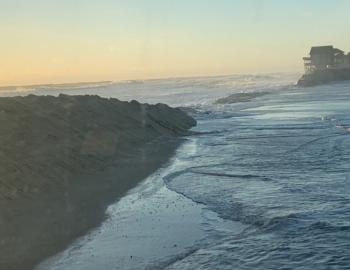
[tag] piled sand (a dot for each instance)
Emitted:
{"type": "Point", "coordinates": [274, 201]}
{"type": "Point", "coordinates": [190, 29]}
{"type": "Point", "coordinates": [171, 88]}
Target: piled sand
{"type": "Point", "coordinates": [324, 76]}
{"type": "Point", "coordinates": [240, 97]}
{"type": "Point", "coordinates": [64, 159]}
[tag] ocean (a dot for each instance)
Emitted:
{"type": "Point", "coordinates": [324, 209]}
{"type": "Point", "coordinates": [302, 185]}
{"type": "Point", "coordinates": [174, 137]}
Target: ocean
{"type": "Point", "coordinates": [262, 184]}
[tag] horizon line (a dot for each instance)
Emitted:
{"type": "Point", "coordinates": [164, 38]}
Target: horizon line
{"type": "Point", "coordinates": [7, 86]}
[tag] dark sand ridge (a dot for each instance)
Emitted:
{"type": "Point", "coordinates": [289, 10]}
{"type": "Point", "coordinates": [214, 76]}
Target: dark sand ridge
{"type": "Point", "coordinates": [240, 97]}
{"type": "Point", "coordinates": [65, 159]}
{"type": "Point", "coordinates": [324, 76]}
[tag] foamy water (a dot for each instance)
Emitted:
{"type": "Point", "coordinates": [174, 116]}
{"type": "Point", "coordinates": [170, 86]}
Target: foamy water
{"type": "Point", "coordinates": [174, 91]}
{"type": "Point", "coordinates": [266, 185]}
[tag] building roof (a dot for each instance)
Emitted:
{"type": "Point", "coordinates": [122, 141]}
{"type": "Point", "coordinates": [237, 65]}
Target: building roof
{"type": "Point", "coordinates": [339, 55]}
{"type": "Point", "coordinates": [322, 50]}
{"type": "Point", "coordinates": [337, 51]}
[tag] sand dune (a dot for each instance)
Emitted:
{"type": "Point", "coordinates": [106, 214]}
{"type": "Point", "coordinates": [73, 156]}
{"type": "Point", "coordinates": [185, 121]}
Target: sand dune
{"type": "Point", "coordinates": [64, 159]}
{"type": "Point", "coordinates": [240, 97]}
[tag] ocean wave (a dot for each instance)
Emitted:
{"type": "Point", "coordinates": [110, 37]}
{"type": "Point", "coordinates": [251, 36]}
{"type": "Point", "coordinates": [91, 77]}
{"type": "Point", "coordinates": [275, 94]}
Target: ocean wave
{"type": "Point", "coordinates": [54, 87]}
{"type": "Point", "coordinates": [325, 226]}
{"type": "Point", "coordinates": [171, 260]}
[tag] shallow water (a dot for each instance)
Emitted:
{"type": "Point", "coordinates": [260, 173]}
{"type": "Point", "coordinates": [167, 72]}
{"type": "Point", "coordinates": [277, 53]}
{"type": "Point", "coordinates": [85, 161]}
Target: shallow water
{"type": "Point", "coordinates": [150, 228]}
{"type": "Point", "coordinates": [282, 170]}
{"type": "Point", "coordinates": [265, 186]}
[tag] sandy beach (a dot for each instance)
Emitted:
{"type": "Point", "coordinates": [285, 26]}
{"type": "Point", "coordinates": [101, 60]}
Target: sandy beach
{"type": "Point", "coordinates": [65, 159]}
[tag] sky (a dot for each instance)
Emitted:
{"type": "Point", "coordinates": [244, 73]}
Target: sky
{"type": "Point", "coordinates": [57, 41]}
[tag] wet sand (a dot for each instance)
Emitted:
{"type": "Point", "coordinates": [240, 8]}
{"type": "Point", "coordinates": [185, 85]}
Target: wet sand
{"type": "Point", "coordinates": [152, 227]}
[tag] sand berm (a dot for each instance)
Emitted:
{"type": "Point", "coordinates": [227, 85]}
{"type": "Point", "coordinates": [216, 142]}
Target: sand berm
{"type": "Point", "coordinates": [65, 159]}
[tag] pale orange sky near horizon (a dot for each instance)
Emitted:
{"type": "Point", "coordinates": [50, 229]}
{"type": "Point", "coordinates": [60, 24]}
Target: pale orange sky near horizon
{"type": "Point", "coordinates": [59, 41]}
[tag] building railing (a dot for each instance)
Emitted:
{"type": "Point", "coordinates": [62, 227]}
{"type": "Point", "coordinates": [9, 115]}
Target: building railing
{"type": "Point", "coordinates": [310, 67]}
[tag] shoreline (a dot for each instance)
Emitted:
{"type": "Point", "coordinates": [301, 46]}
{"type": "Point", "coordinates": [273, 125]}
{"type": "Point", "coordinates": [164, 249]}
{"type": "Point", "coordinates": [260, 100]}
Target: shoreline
{"type": "Point", "coordinates": [35, 225]}
{"type": "Point", "coordinates": [86, 209]}
{"type": "Point", "coordinates": [148, 215]}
